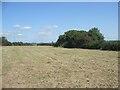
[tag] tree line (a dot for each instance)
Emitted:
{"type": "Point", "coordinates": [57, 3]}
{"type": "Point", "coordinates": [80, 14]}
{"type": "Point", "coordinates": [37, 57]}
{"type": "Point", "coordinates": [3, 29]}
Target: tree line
{"type": "Point", "coordinates": [93, 39]}
{"type": "Point", "coordinates": [5, 42]}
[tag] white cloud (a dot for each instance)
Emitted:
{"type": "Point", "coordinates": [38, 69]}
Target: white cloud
{"type": "Point", "coordinates": [50, 27]}
{"type": "Point", "coordinates": [19, 34]}
{"type": "Point", "coordinates": [47, 31]}
{"type": "Point", "coordinates": [16, 26]}
{"type": "Point", "coordinates": [22, 27]}
{"type": "Point", "coordinates": [1, 33]}
{"type": "Point", "coordinates": [55, 26]}
{"type": "Point", "coordinates": [44, 34]}
{"type": "Point", "coordinates": [26, 27]}
{"type": "Point", "coordinates": [76, 29]}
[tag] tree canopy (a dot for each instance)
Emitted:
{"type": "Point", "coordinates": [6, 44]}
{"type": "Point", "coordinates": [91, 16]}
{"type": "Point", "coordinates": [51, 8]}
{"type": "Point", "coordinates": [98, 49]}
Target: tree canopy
{"type": "Point", "coordinates": [4, 41]}
{"type": "Point", "coordinates": [80, 39]}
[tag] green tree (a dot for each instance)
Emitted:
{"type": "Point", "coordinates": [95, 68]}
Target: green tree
{"type": "Point", "coordinates": [73, 38]}
{"type": "Point", "coordinates": [5, 42]}
{"type": "Point", "coordinates": [81, 39]}
{"type": "Point", "coordinates": [17, 43]}
{"type": "Point", "coordinates": [95, 34]}
{"type": "Point", "coordinates": [97, 38]}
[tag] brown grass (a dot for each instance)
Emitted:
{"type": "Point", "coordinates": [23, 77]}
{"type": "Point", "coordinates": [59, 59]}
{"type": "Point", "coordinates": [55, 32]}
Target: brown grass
{"type": "Point", "coordinates": [0, 67]}
{"type": "Point", "coordinates": [49, 67]}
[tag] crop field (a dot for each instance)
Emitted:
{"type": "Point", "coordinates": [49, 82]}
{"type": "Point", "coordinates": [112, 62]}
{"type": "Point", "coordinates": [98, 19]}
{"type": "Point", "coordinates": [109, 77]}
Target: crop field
{"type": "Point", "coordinates": [51, 67]}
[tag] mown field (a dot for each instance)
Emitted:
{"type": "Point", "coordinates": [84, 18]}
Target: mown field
{"type": "Point", "coordinates": [49, 67]}
{"type": "Point", "coordinates": [0, 67]}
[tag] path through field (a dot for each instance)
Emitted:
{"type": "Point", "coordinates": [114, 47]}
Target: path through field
{"type": "Point", "coordinates": [49, 67]}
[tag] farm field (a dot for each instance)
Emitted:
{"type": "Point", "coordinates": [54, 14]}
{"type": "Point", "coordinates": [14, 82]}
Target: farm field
{"type": "Point", "coordinates": [0, 67]}
{"type": "Point", "coordinates": [50, 67]}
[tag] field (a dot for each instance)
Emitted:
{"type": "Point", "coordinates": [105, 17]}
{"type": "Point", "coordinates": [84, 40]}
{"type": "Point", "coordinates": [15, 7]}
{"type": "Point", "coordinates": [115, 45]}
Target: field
{"type": "Point", "coordinates": [49, 67]}
{"type": "Point", "coordinates": [0, 68]}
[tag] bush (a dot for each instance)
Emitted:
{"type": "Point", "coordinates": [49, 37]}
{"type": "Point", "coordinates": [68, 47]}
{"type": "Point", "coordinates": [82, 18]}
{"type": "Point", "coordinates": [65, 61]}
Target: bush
{"type": "Point", "coordinates": [111, 45]}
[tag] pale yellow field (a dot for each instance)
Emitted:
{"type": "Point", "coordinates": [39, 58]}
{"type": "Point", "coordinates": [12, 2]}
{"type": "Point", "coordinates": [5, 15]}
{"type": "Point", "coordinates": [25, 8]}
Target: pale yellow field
{"type": "Point", "coordinates": [49, 67]}
{"type": "Point", "coordinates": [0, 67]}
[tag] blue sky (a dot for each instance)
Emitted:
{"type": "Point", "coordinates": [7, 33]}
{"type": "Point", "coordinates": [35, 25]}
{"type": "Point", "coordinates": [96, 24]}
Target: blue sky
{"type": "Point", "coordinates": [45, 21]}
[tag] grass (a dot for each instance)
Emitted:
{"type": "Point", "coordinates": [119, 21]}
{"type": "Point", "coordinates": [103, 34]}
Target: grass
{"type": "Point", "coordinates": [0, 67]}
{"type": "Point", "coordinates": [50, 67]}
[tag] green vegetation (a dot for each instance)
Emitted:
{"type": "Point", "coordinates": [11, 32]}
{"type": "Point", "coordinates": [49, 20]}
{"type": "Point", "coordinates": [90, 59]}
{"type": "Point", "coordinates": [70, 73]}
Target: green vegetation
{"type": "Point", "coordinates": [92, 39]}
{"type": "Point", "coordinates": [111, 45]}
{"type": "Point", "coordinates": [4, 41]}
{"type": "Point", "coordinates": [80, 39]}
{"type": "Point", "coordinates": [21, 44]}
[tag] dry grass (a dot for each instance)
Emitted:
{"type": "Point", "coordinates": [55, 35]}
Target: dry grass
{"type": "Point", "coordinates": [44, 66]}
{"type": "Point", "coordinates": [0, 67]}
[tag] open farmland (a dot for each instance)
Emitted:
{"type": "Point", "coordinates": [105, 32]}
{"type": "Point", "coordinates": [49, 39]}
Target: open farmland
{"type": "Point", "coordinates": [0, 67]}
{"type": "Point", "coordinates": [49, 67]}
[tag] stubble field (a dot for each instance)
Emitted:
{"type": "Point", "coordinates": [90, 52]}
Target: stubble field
{"type": "Point", "coordinates": [50, 67]}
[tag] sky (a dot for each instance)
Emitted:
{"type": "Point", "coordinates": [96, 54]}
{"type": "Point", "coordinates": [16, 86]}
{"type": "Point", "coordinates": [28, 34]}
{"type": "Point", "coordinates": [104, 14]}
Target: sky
{"type": "Point", "coordinates": [45, 21]}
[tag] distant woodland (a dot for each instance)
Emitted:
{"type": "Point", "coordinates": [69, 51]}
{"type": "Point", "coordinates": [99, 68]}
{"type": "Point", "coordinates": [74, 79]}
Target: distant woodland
{"type": "Point", "coordinates": [92, 39]}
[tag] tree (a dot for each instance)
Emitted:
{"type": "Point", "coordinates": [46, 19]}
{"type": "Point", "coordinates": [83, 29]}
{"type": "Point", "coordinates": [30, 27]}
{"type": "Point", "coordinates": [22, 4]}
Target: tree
{"type": "Point", "coordinates": [4, 41]}
{"type": "Point", "coordinates": [81, 39]}
{"type": "Point", "coordinates": [17, 43]}
{"type": "Point", "coordinates": [97, 38]}
{"type": "Point", "coordinates": [95, 34]}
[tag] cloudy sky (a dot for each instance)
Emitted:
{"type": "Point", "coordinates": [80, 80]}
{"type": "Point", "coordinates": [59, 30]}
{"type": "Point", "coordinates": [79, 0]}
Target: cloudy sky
{"type": "Point", "coordinates": [44, 22]}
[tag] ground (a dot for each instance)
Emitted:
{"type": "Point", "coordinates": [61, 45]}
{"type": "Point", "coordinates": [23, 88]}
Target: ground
{"type": "Point", "coordinates": [50, 67]}
{"type": "Point", "coordinates": [0, 68]}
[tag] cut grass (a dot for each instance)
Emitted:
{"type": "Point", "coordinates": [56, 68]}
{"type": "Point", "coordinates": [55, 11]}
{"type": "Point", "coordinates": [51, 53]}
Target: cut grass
{"type": "Point", "coordinates": [0, 67]}
{"type": "Point", "coordinates": [49, 67]}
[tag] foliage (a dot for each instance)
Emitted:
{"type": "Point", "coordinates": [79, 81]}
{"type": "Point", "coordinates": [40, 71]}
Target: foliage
{"type": "Point", "coordinates": [80, 39]}
{"type": "Point", "coordinates": [17, 43]}
{"type": "Point", "coordinates": [95, 34]}
{"type": "Point", "coordinates": [45, 44]}
{"type": "Point", "coordinates": [92, 39]}
{"type": "Point", "coordinates": [111, 45]}
{"type": "Point", "coordinates": [4, 41]}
